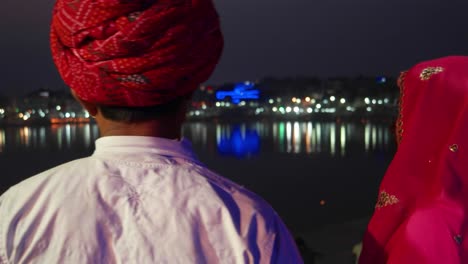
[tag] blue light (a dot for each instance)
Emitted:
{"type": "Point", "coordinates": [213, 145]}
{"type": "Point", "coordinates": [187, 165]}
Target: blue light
{"type": "Point", "coordinates": [240, 144]}
{"type": "Point", "coordinates": [381, 79]}
{"type": "Point", "coordinates": [241, 91]}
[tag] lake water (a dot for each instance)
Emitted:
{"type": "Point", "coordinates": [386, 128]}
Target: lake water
{"type": "Point", "coordinates": [312, 173]}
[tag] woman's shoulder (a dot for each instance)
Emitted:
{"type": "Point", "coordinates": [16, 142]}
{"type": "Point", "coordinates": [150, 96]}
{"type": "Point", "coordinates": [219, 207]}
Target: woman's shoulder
{"type": "Point", "coordinates": [438, 63]}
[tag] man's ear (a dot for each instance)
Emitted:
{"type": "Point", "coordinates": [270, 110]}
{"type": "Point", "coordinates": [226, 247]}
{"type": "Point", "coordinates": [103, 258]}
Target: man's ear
{"type": "Point", "coordinates": [90, 107]}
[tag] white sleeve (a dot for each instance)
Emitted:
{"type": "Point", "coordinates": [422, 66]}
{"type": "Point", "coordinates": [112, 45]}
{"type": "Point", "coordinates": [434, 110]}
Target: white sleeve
{"type": "Point", "coordinates": [3, 255]}
{"type": "Point", "coordinates": [284, 249]}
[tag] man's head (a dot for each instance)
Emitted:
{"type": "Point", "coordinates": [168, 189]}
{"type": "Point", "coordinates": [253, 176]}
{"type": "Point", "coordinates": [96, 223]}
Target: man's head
{"type": "Point", "coordinates": [132, 54]}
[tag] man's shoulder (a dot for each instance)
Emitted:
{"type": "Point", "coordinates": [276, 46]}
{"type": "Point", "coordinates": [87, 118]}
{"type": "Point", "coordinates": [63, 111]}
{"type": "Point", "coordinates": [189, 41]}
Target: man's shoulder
{"type": "Point", "coordinates": [232, 193]}
{"type": "Point", "coordinates": [48, 179]}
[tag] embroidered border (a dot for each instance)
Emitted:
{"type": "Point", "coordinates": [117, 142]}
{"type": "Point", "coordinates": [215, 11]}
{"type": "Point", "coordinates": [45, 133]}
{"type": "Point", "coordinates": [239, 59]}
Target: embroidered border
{"type": "Point", "coordinates": [427, 73]}
{"type": "Point", "coordinates": [399, 123]}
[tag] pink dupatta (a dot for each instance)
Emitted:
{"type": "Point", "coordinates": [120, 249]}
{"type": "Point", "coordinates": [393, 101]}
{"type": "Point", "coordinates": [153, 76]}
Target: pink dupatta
{"type": "Point", "coordinates": [421, 212]}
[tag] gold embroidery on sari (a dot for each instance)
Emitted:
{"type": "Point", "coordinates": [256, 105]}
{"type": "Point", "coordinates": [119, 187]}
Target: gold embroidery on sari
{"type": "Point", "coordinates": [454, 148]}
{"type": "Point", "coordinates": [385, 199]}
{"type": "Point", "coordinates": [427, 73]}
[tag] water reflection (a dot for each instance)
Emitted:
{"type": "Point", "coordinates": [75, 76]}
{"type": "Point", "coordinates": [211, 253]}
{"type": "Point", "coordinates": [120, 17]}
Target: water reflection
{"type": "Point", "coordinates": [238, 141]}
{"type": "Point", "coordinates": [2, 140]}
{"type": "Point", "coordinates": [241, 140]}
{"type": "Point", "coordinates": [377, 137]}
{"type": "Point", "coordinates": [55, 137]}
{"type": "Point", "coordinates": [334, 139]}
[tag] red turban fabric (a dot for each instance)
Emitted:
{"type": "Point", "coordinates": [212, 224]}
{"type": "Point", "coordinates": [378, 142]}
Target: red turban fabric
{"type": "Point", "coordinates": [135, 52]}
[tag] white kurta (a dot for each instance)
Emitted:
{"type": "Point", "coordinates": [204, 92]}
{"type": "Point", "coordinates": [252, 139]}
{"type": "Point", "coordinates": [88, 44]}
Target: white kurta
{"type": "Point", "coordinates": [139, 200]}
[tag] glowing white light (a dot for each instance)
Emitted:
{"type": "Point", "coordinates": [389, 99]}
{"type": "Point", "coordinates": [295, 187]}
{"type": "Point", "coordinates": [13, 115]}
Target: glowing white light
{"type": "Point", "coordinates": [386, 100]}
{"type": "Point", "coordinates": [298, 101]}
{"type": "Point", "coordinates": [271, 101]}
{"type": "Point", "coordinates": [296, 109]}
{"type": "Point", "coordinates": [307, 99]}
{"type": "Point", "coordinates": [374, 101]}
{"type": "Point", "coordinates": [58, 107]}
{"type": "Point", "coordinates": [86, 114]}
{"type": "Point", "coordinates": [288, 109]}
{"type": "Point", "coordinates": [274, 109]}
{"type": "Point", "coordinates": [332, 98]}
{"type": "Point", "coordinates": [318, 106]}
{"type": "Point", "coordinates": [218, 104]}
{"type": "Point", "coordinates": [25, 117]}
{"type": "Point", "coordinates": [293, 99]}
{"type": "Point", "coordinates": [342, 100]}
{"type": "Point", "coordinates": [380, 102]}
{"type": "Point", "coordinates": [369, 109]}
{"type": "Point", "coordinates": [313, 101]}
{"type": "Point", "coordinates": [281, 109]}
{"type": "Point", "coordinates": [67, 115]}
{"type": "Point", "coordinates": [310, 110]}
{"type": "Point", "coordinates": [2, 111]}
{"type": "Point", "coordinates": [367, 100]}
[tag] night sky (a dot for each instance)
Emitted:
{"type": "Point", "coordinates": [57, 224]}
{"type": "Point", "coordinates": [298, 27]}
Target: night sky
{"type": "Point", "coordinates": [271, 38]}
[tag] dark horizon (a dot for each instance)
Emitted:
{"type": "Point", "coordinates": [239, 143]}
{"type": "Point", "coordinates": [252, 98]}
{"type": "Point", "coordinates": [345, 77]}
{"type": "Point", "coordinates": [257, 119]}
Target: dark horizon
{"type": "Point", "coordinates": [272, 38]}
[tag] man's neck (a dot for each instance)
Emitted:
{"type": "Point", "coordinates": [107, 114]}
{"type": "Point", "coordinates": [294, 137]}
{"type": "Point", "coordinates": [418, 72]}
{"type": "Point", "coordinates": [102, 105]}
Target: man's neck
{"type": "Point", "coordinates": [154, 128]}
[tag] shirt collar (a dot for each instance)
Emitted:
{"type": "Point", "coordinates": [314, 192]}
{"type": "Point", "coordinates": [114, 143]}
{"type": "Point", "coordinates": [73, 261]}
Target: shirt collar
{"type": "Point", "coordinates": [141, 144]}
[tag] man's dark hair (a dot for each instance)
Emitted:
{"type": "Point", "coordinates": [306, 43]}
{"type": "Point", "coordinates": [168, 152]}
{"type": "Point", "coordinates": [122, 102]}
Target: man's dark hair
{"type": "Point", "coordinates": [139, 114]}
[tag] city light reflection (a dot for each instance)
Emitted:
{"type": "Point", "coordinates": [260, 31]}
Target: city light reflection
{"type": "Point", "coordinates": [87, 135]}
{"type": "Point", "coordinates": [42, 137]}
{"type": "Point", "coordinates": [343, 136]}
{"type": "Point", "coordinates": [281, 137]}
{"type": "Point", "coordinates": [297, 138]}
{"type": "Point", "coordinates": [68, 135]}
{"type": "Point", "coordinates": [333, 140]}
{"type": "Point", "coordinates": [2, 140]}
{"type": "Point", "coordinates": [309, 138]}
{"type": "Point", "coordinates": [318, 138]}
{"type": "Point", "coordinates": [289, 137]}
{"type": "Point", "coordinates": [25, 136]}
{"type": "Point", "coordinates": [242, 140]}
{"type": "Point", "coordinates": [367, 137]}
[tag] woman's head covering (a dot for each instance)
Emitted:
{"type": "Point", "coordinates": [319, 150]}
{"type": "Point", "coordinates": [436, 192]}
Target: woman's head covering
{"type": "Point", "coordinates": [431, 163]}
{"type": "Point", "coordinates": [135, 52]}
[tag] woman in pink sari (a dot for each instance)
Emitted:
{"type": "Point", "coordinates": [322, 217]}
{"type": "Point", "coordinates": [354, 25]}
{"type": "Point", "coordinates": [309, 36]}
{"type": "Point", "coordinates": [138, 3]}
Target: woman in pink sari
{"type": "Point", "coordinates": [421, 215]}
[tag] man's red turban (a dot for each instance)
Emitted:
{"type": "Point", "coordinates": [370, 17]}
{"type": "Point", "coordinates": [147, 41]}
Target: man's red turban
{"type": "Point", "coordinates": [135, 52]}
